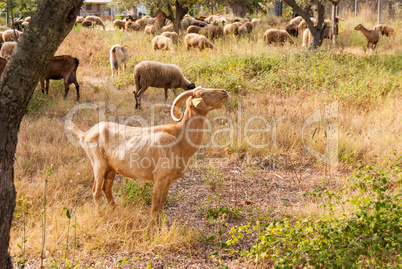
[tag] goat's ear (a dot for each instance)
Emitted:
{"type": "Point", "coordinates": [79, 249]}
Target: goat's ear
{"type": "Point", "coordinates": [200, 104]}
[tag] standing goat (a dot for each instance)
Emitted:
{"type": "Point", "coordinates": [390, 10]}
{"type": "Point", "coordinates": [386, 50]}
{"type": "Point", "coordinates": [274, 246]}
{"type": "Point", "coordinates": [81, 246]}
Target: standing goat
{"type": "Point", "coordinates": [118, 55]}
{"type": "Point", "coordinates": [159, 154]}
{"type": "Point", "coordinates": [155, 74]}
{"type": "Point", "coordinates": [62, 67]}
{"type": "Point", "coordinates": [372, 36]}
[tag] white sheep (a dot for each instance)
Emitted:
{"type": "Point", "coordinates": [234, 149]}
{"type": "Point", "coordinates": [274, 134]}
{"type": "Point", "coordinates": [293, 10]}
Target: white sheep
{"type": "Point", "coordinates": [118, 55]}
{"type": "Point", "coordinates": [160, 75]}
{"type": "Point", "coordinates": [161, 42]}
{"type": "Point", "coordinates": [7, 49]}
{"type": "Point", "coordinates": [160, 154]}
{"type": "Point", "coordinates": [11, 35]}
{"type": "Point", "coordinates": [306, 38]}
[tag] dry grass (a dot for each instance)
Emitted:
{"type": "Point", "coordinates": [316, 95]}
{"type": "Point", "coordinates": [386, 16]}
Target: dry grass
{"type": "Point", "coordinates": [285, 95]}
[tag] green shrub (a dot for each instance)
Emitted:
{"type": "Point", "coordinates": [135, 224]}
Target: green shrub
{"type": "Point", "coordinates": [369, 236]}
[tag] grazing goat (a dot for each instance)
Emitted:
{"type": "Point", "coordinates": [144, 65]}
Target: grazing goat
{"type": "Point", "coordinates": [372, 36]}
{"type": "Point", "coordinates": [159, 154]}
{"type": "Point", "coordinates": [118, 55]}
{"type": "Point", "coordinates": [62, 67]}
{"type": "Point", "coordinates": [155, 74]}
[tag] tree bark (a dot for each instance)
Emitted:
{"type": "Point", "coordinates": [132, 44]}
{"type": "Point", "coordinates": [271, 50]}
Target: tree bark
{"type": "Point", "coordinates": [181, 10]}
{"type": "Point", "coordinates": [335, 21]}
{"type": "Point", "coordinates": [48, 28]}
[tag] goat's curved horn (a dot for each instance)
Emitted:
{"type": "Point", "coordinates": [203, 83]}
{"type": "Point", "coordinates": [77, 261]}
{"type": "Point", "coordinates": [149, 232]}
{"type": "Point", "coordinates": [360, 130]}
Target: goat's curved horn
{"type": "Point", "coordinates": [177, 102]}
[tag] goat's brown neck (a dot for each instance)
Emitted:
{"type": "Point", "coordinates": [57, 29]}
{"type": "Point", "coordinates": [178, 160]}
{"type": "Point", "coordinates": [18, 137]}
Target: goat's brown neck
{"type": "Point", "coordinates": [364, 31]}
{"type": "Point", "coordinates": [192, 127]}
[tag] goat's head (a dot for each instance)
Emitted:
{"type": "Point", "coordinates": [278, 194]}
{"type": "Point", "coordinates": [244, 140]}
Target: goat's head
{"type": "Point", "coordinates": [200, 99]}
{"type": "Point", "coordinates": [359, 27]}
{"type": "Point", "coordinates": [191, 86]}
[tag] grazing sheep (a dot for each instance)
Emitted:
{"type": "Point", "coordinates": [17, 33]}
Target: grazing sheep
{"type": "Point", "coordinates": [79, 20]}
{"type": "Point", "coordinates": [184, 24]}
{"type": "Point", "coordinates": [193, 29]}
{"type": "Point", "coordinates": [231, 28]}
{"type": "Point", "coordinates": [249, 26]}
{"type": "Point", "coordinates": [199, 23]}
{"type": "Point", "coordinates": [307, 38]}
{"type": "Point", "coordinates": [144, 21]}
{"type": "Point", "coordinates": [384, 29]}
{"type": "Point", "coordinates": [1, 38]}
{"type": "Point", "coordinates": [3, 63]}
{"type": "Point", "coordinates": [17, 23]}
{"type": "Point", "coordinates": [296, 21]}
{"type": "Point", "coordinates": [293, 30]}
{"type": "Point", "coordinates": [173, 35]}
{"type": "Point", "coordinates": [149, 29]}
{"type": "Point", "coordinates": [62, 67]}
{"type": "Point", "coordinates": [274, 35]}
{"type": "Point", "coordinates": [197, 41]}
{"type": "Point", "coordinates": [167, 28]}
{"type": "Point", "coordinates": [161, 42]}
{"type": "Point", "coordinates": [242, 30]}
{"type": "Point", "coordinates": [372, 36]}
{"type": "Point", "coordinates": [160, 75]}
{"type": "Point", "coordinates": [132, 26]}
{"type": "Point", "coordinates": [212, 32]}
{"type": "Point", "coordinates": [121, 24]}
{"type": "Point", "coordinates": [25, 25]}
{"type": "Point", "coordinates": [303, 25]}
{"type": "Point", "coordinates": [11, 35]}
{"type": "Point", "coordinates": [118, 55]}
{"type": "Point", "coordinates": [7, 49]}
{"type": "Point", "coordinates": [87, 24]}
{"type": "Point", "coordinates": [160, 154]}
{"type": "Point", "coordinates": [95, 20]}
{"type": "Point", "coordinates": [256, 22]}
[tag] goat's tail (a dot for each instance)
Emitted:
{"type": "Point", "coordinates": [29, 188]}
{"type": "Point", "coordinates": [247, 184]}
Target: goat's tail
{"type": "Point", "coordinates": [77, 133]}
{"type": "Point", "coordinates": [77, 62]}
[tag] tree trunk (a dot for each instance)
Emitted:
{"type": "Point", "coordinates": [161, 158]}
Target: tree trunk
{"type": "Point", "coordinates": [317, 32]}
{"type": "Point", "coordinates": [49, 26]}
{"type": "Point", "coordinates": [334, 23]}
{"type": "Point", "coordinates": [181, 10]}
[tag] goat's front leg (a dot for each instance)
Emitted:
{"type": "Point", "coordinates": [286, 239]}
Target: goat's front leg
{"type": "Point", "coordinates": [159, 195]}
{"type": "Point", "coordinates": [174, 91]}
{"type": "Point", "coordinates": [166, 94]}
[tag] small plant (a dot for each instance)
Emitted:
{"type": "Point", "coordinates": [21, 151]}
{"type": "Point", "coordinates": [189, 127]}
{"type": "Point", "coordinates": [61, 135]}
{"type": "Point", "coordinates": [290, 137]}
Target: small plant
{"type": "Point", "coordinates": [136, 191]}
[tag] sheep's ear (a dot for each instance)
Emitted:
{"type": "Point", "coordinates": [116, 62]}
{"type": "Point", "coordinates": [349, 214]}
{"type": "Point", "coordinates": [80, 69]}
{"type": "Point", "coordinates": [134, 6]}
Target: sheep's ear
{"type": "Point", "coordinates": [200, 104]}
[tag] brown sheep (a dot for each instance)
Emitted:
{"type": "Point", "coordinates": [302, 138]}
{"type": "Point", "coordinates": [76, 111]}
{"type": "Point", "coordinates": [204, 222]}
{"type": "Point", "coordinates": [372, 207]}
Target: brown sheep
{"type": "Point", "coordinates": [95, 20]}
{"type": "Point", "coordinates": [280, 36]}
{"type": "Point", "coordinates": [87, 24]}
{"type": "Point", "coordinates": [3, 63]}
{"type": "Point", "coordinates": [173, 35]}
{"type": "Point", "coordinates": [231, 28]}
{"type": "Point", "coordinates": [199, 23]}
{"type": "Point", "coordinates": [197, 41]}
{"type": "Point", "coordinates": [11, 35]}
{"type": "Point", "coordinates": [249, 26]}
{"type": "Point", "coordinates": [296, 21]}
{"type": "Point", "coordinates": [62, 67]}
{"type": "Point", "coordinates": [167, 28]}
{"type": "Point", "coordinates": [118, 56]}
{"type": "Point", "coordinates": [7, 49]}
{"type": "Point", "coordinates": [192, 29]}
{"type": "Point", "coordinates": [384, 29]}
{"type": "Point", "coordinates": [212, 32]}
{"type": "Point", "coordinates": [372, 36]}
{"type": "Point", "coordinates": [184, 24]}
{"type": "Point", "coordinates": [293, 30]}
{"type": "Point", "coordinates": [1, 38]}
{"type": "Point", "coordinates": [121, 24]}
{"type": "Point", "coordinates": [132, 26]}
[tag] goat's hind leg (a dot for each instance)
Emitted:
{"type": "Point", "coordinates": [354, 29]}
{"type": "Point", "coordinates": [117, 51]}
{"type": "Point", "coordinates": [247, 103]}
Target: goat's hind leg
{"type": "Point", "coordinates": [107, 187]}
{"type": "Point", "coordinates": [99, 178]}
